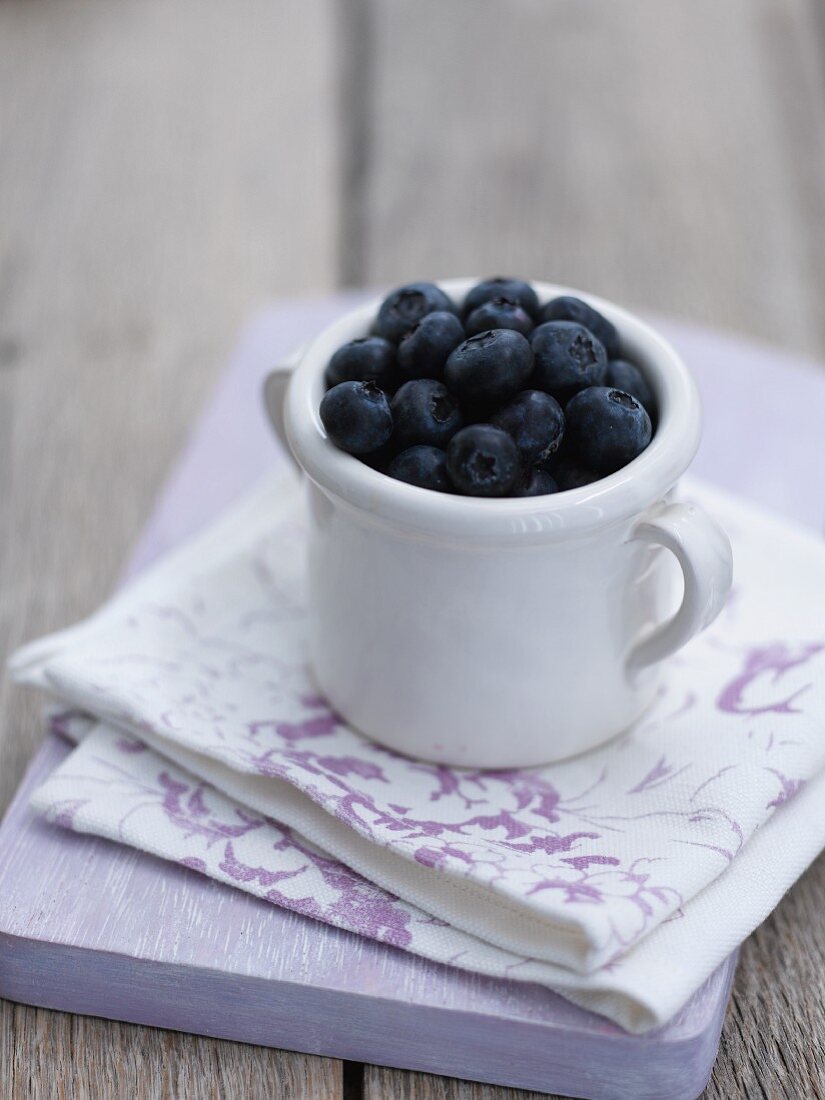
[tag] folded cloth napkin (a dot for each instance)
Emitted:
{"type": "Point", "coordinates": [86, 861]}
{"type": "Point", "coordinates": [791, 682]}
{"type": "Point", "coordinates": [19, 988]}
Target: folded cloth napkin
{"type": "Point", "coordinates": [114, 786]}
{"type": "Point", "coordinates": [597, 875]}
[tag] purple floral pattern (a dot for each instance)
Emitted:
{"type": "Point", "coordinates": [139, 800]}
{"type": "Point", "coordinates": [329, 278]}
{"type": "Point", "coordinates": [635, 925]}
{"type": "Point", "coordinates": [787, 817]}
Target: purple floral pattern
{"type": "Point", "coordinates": [140, 799]}
{"type": "Point", "coordinates": [212, 658]}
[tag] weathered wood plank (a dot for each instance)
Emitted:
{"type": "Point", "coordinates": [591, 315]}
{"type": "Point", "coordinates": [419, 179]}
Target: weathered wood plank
{"type": "Point", "coordinates": [144, 208]}
{"type": "Point", "coordinates": [51, 1054]}
{"type": "Point", "coordinates": [385, 1083]}
{"type": "Point", "coordinates": [671, 156]}
{"type": "Point", "coordinates": [666, 155]}
{"type": "Point", "coordinates": [163, 168]}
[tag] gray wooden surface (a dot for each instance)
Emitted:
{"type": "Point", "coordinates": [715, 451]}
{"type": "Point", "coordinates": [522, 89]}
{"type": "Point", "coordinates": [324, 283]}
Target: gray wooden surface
{"type": "Point", "coordinates": [164, 168]}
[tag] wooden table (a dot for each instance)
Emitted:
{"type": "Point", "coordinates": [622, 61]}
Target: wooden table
{"type": "Point", "coordinates": [164, 168]}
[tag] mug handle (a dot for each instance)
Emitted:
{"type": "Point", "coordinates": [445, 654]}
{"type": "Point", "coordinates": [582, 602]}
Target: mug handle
{"type": "Point", "coordinates": [704, 553]}
{"type": "Point", "coordinates": [275, 386]}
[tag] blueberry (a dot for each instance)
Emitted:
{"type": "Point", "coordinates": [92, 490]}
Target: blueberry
{"type": "Point", "coordinates": [490, 366]}
{"type": "Point", "coordinates": [568, 308]}
{"type": "Point", "coordinates": [500, 313]}
{"type": "Point", "coordinates": [535, 482]}
{"type": "Point", "coordinates": [568, 358]}
{"type": "Point", "coordinates": [424, 466]}
{"type": "Point", "coordinates": [370, 359]}
{"type": "Point", "coordinates": [478, 412]}
{"type": "Point", "coordinates": [535, 421]}
{"type": "Point", "coordinates": [424, 411]}
{"type": "Point", "coordinates": [423, 350]}
{"type": "Point", "coordinates": [606, 428]}
{"type": "Point", "coordinates": [483, 461]}
{"type": "Point", "coordinates": [517, 290]}
{"type": "Point", "coordinates": [570, 475]}
{"type": "Point", "coordinates": [622, 375]}
{"type": "Point", "coordinates": [356, 416]}
{"type": "Point", "coordinates": [406, 306]}
{"type": "Point", "coordinates": [380, 458]}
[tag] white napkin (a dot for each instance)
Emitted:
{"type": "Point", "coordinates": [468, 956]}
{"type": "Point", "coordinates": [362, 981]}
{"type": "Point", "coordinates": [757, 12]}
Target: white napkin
{"type": "Point", "coordinates": [599, 874]}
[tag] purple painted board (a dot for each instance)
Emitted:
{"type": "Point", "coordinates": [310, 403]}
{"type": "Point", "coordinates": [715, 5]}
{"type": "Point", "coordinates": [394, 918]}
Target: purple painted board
{"type": "Point", "coordinates": [116, 933]}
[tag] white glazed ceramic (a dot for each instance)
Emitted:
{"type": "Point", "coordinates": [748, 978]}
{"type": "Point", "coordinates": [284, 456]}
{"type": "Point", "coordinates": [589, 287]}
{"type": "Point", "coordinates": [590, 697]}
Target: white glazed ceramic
{"type": "Point", "coordinates": [507, 632]}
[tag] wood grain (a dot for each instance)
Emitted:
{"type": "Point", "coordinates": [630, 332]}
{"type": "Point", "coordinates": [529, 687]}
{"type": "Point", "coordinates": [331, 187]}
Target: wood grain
{"type": "Point", "coordinates": [163, 168]}
{"type": "Point", "coordinates": [667, 155]}
{"type": "Point", "coordinates": [161, 174]}
{"type": "Point", "coordinates": [671, 156]}
{"type": "Point", "coordinates": [52, 1054]}
{"type": "Point", "coordinates": [384, 1083]}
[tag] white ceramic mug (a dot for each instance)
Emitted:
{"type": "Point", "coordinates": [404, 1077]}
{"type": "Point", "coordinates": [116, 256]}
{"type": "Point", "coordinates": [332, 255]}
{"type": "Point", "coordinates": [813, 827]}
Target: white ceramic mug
{"type": "Point", "coordinates": [498, 633]}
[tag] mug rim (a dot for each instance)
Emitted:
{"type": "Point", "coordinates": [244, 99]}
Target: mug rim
{"type": "Point", "coordinates": [611, 499]}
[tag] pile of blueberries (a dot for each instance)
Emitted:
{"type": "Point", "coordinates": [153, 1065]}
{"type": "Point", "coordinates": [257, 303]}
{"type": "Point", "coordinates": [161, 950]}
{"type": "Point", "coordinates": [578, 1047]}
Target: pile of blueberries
{"type": "Point", "coordinates": [501, 397]}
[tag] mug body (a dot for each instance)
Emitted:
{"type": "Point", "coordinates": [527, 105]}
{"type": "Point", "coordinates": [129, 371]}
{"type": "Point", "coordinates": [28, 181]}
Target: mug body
{"type": "Point", "coordinates": [487, 633]}
{"type": "Point", "coordinates": [490, 656]}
